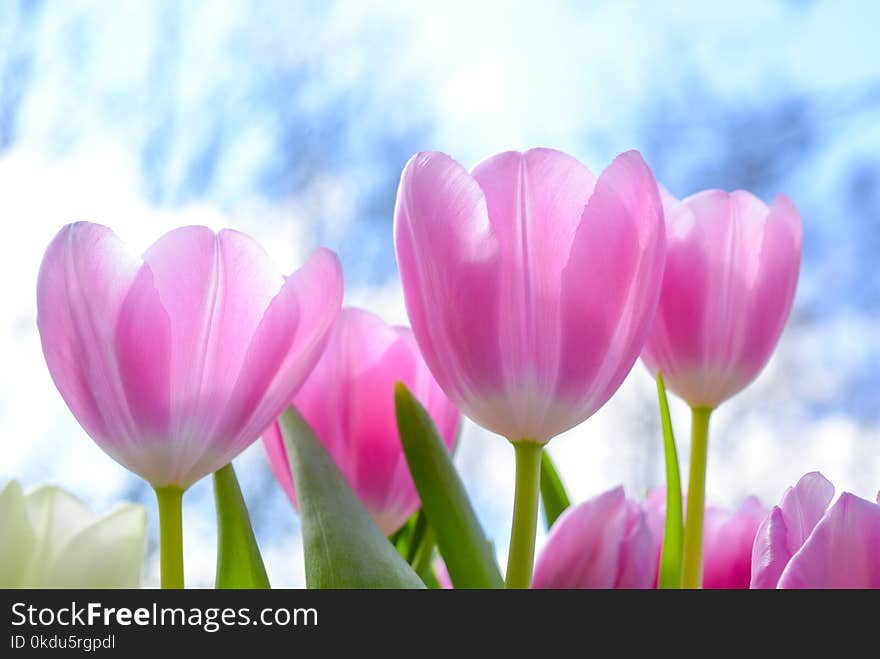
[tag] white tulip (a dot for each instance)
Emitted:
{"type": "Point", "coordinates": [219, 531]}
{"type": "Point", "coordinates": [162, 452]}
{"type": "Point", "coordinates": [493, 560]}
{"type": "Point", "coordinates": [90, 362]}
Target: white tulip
{"type": "Point", "coordinates": [51, 539]}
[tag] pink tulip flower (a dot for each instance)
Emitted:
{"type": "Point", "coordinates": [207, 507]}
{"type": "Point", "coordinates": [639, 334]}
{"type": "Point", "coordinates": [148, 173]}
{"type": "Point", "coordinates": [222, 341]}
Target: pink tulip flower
{"type": "Point", "coordinates": [727, 539]}
{"type": "Point", "coordinates": [601, 543]}
{"type": "Point", "coordinates": [731, 272]}
{"type": "Point", "coordinates": [175, 362]}
{"type": "Point", "coordinates": [530, 284]}
{"type": "Point", "coordinates": [348, 400]}
{"type": "Point", "coordinates": [805, 544]}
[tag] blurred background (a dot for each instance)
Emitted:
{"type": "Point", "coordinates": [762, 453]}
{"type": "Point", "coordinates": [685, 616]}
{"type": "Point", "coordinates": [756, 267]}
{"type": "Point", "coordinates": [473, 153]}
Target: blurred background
{"type": "Point", "coordinates": [292, 121]}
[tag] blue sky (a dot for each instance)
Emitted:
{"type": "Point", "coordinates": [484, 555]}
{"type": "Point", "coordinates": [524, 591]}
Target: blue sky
{"type": "Point", "coordinates": [292, 121]}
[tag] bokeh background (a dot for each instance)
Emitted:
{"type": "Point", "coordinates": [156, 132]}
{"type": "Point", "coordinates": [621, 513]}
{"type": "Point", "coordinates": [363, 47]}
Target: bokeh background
{"type": "Point", "coordinates": [292, 121]}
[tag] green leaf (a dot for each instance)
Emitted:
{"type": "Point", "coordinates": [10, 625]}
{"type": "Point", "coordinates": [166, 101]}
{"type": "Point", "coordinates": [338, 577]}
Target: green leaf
{"type": "Point", "coordinates": [239, 564]}
{"type": "Point", "coordinates": [343, 546]}
{"type": "Point", "coordinates": [400, 538]}
{"type": "Point", "coordinates": [469, 556]}
{"type": "Point", "coordinates": [553, 494]}
{"type": "Point", "coordinates": [673, 534]}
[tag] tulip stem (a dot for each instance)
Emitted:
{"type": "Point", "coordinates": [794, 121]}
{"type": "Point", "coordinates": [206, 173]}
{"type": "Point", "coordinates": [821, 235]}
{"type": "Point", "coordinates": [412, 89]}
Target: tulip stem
{"type": "Point", "coordinates": [171, 535]}
{"type": "Point", "coordinates": [521, 557]}
{"type": "Point", "coordinates": [692, 560]}
{"type": "Point", "coordinates": [421, 563]}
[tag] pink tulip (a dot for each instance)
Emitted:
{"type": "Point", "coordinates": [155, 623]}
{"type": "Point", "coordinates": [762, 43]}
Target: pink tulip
{"type": "Point", "coordinates": [727, 538]}
{"type": "Point", "coordinates": [174, 363]}
{"type": "Point", "coordinates": [530, 284]}
{"type": "Point", "coordinates": [348, 400]}
{"type": "Point", "coordinates": [805, 544]}
{"type": "Point", "coordinates": [731, 272]}
{"type": "Point", "coordinates": [601, 543]}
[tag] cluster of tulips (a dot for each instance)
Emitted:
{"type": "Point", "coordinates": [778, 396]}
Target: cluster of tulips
{"type": "Point", "coordinates": [532, 288]}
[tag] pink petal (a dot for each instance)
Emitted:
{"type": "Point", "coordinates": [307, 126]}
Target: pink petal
{"type": "Point", "coordinates": [727, 544]}
{"type": "Point", "coordinates": [770, 553]}
{"type": "Point", "coordinates": [448, 257]}
{"type": "Point", "coordinates": [771, 288]}
{"type": "Point", "coordinates": [84, 278]}
{"type": "Point", "coordinates": [143, 351]}
{"type": "Point", "coordinates": [787, 527]}
{"type": "Point", "coordinates": [600, 543]}
{"type": "Point", "coordinates": [842, 551]}
{"type": "Point", "coordinates": [804, 505]}
{"type": "Point", "coordinates": [636, 568]}
{"type": "Point", "coordinates": [610, 284]}
{"type": "Point", "coordinates": [216, 288]}
{"type": "Point", "coordinates": [535, 201]}
{"type": "Point", "coordinates": [284, 348]}
{"type": "Point", "coordinates": [276, 452]}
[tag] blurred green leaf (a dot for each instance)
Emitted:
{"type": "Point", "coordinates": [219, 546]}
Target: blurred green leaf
{"type": "Point", "coordinates": [673, 534]}
{"type": "Point", "coordinates": [469, 556]}
{"type": "Point", "coordinates": [401, 537]}
{"type": "Point", "coordinates": [239, 564]}
{"type": "Point", "coordinates": [553, 494]}
{"type": "Point", "coordinates": [343, 546]}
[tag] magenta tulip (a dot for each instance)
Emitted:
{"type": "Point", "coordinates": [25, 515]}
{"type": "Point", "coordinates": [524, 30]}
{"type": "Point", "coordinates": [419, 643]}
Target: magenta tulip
{"type": "Point", "coordinates": [727, 539]}
{"type": "Point", "coordinates": [805, 544]}
{"type": "Point", "coordinates": [348, 400]}
{"type": "Point", "coordinates": [731, 271]}
{"type": "Point", "coordinates": [601, 543]}
{"type": "Point", "coordinates": [176, 362]}
{"type": "Point", "coordinates": [530, 285]}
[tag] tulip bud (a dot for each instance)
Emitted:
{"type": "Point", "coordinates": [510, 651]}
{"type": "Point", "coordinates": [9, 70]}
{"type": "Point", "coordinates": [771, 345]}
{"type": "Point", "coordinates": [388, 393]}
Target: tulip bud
{"type": "Point", "coordinates": [731, 272]}
{"type": "Point", "coordinates": [348, 400]}
{"type": "Point", "coordinates": [601, 543]}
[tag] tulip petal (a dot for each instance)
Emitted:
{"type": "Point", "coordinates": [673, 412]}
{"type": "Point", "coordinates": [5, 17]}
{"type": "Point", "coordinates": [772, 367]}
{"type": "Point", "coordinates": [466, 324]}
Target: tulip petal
{"type": "Point", "coordinates": [284, 348]}
{"type": "Point", "coordinates": [17, 539]}
{"type": "Point", "coordinates": [804, 505]}
{"type": "Point", "coordinates": [144, 352]}
{"type": "Point", "coordinates": [727, 545]}
{"type": "Point", "coordinates": [215, 288]}
{"type": "Point", "coordinates": [535, 201]}
{"type": "Point", "coordinates": [771, 285]}
{"type": "Point", "coordinates": [770, 553]}
{"type": "Point", "coordinates": [636, 569]}
{"type": "Point", "coordinates": [276, 453]}
{"type": "Point", "coordinates": [611, 284]}
{"type": "Point", "coordinates": [448, 257]}
{"type": "Point", "coordinates": [601, 543]}
{"type": "Point", "coordinates": [84, 278]}
{"type": "Point", "coordinates": [842, 550]}
{"type": "Point", "coordinates": [55, 517]}
{"type": "Point", "coordinates": [787, 527]}
{"type": "Point", "coordinates": [121, 538]}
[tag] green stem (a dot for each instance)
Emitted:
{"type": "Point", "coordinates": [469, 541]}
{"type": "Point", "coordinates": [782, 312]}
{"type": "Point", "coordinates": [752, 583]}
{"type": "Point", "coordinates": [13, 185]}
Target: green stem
{"type": "Point", "coordinates": [692, 560]}
{"type": "Point", "coordinates": [171, 535]}
{"type": "Point", "coordinates": [417, 537]}
{"type": "Point", "coordinates": [421, 563]}
{"type": "Point", "coordinates": [525, 514]}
